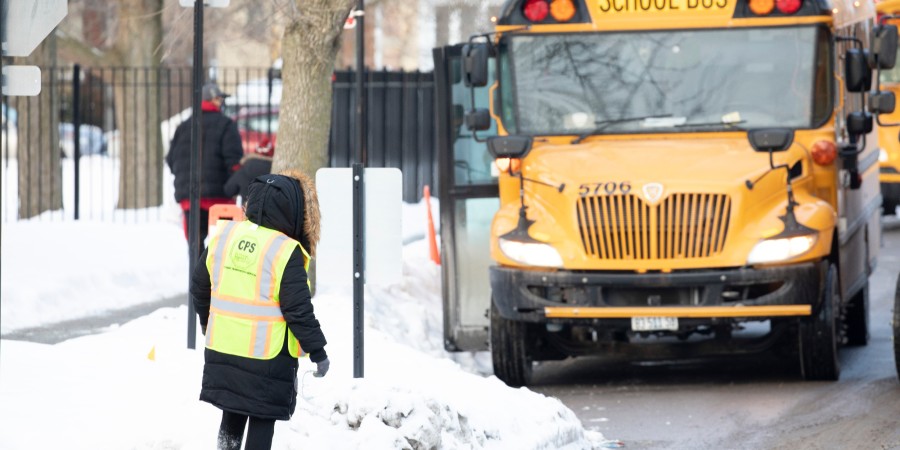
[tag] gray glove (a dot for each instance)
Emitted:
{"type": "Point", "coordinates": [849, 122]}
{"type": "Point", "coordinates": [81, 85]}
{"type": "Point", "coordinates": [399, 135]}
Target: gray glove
{"type": "Point", "coordinates": [322, 368]}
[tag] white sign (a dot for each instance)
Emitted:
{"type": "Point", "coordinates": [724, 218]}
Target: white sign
{"type": "Point", "coordinates": [21, 80]}
{"type": "Point", "coordinates": [28, 22]}
{"type": "Point", "coordinates": [384, 234]}
{"type": "Point", "coordinates": [350, 22]}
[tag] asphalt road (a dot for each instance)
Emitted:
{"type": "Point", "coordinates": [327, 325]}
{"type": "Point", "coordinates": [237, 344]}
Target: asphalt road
{"type": "Point", "coordinates": [70, 329]}
{"type": "Point", "coordinates": [758, 402]}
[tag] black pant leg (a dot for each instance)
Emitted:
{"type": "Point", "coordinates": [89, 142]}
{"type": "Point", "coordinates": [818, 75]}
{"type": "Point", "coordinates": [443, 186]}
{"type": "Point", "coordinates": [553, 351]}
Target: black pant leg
{"type": "Point", "coordinates": [231, 431]}
{"type": "Point", "coordinates": [259, 434]}
{"type": "Point", "coordinates": [204, 226]}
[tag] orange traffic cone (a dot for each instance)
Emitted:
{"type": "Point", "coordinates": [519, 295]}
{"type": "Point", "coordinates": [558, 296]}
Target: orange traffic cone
{"type": "Point", "coordinates": [432, 238]}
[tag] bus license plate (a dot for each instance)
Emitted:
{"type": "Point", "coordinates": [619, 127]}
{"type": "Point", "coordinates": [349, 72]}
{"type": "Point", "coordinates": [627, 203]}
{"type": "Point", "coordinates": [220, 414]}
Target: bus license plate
{"type": "Point", "coordinates": [654, 323]}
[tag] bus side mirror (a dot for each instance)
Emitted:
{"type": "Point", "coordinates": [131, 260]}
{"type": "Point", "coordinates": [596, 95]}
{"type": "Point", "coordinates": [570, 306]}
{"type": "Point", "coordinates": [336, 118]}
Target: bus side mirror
{"type": "Point", "coordinates": [475, 64]}
{"type": "Point", "coordinates": [882, 102]}
{"type": "Point", "coordinates": [478, 119]}
{"type": "Point", "coordinates": [884, 47]}
{"type": "Point", "coordinates": [857, 73]}
{"type": "Point", "coordinates": [850, 161]}
{"type": "Point", "coordinates": [859, 122]}
{"type": "Point", "coordinates": [509, 146]}
{"type": "Point", "coordinates": [771, 139]}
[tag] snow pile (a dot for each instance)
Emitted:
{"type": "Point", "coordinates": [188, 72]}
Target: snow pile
{"type": "Point", "coordinates": [137, 385]}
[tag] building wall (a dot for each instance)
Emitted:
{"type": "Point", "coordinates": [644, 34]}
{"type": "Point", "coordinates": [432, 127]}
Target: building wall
{"type": "Point", "coordinates": [401, 34]}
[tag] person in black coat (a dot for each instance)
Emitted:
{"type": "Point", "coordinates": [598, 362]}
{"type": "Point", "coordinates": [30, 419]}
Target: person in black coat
{"type": "Point", "coordinates": [222, 152]}
{"type": "Point", "coordinates": [265, 390]}
{"type": "Point", "coordinates": [252, 165]}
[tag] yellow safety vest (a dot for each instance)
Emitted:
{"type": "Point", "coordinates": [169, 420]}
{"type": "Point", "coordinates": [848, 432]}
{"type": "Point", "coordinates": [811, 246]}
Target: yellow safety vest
{"type": "Point", "coordinates": [246, 263]}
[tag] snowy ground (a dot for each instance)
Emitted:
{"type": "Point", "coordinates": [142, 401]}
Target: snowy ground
{"type": "Point", "coordinates": [136, 384]}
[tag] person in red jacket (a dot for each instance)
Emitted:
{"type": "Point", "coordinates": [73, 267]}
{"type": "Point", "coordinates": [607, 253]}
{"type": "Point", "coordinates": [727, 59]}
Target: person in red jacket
{"type": "Point", "coordinates": [222, 153]}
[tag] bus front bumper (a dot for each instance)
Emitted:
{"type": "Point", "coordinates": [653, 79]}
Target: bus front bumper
{"type": "Point", "coordinates": [708, 295]}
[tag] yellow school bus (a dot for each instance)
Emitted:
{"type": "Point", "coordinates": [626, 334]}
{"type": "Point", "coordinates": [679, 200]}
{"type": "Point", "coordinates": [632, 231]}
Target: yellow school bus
{"type": "Point", "coordinates": [662, 179]}
{"type": "Point", "coordinates": [889, 153]}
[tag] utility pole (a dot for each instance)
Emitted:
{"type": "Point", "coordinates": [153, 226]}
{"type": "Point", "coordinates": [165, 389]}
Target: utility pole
{"type": "Point", "coordinates": [359, 198]}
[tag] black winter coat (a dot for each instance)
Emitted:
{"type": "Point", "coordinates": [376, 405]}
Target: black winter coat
{"type": "Point", "coordinates": [264, 388]}
{"type": "Point", "coordinates": [252, 166]}
{"type": "Point", "coordinates": [222, 152]}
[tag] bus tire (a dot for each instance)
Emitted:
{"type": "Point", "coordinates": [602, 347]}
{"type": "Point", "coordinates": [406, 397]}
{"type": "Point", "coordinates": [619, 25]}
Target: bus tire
{"type": "Point", "coordinates": [897, 326]}
{"type": "Point", "coordinates": [509, 349]}
{"type": "Point", "coordinates": [857, 318]}
{"type": "Point", "coordinates": [819, 334]}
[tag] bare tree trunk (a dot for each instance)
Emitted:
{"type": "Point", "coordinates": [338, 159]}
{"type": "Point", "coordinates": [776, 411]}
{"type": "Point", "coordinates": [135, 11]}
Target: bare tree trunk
{"type": "Point", "coordinates": [310, 45]}
{"type": "Point", "coordinates": [40, 168]}
{"type": "Point", "coordinates": [141, 159]}
{"type": "Point", "coordinates": [137, 104]}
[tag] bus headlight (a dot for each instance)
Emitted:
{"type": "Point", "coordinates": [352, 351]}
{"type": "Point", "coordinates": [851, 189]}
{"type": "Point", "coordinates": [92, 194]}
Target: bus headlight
{"type": "Point", "coordinates": [882, 155]}
{"type": "Point", "coordinates": [781, 249]}
{"type": "Point", "coordinates": [531, 253]}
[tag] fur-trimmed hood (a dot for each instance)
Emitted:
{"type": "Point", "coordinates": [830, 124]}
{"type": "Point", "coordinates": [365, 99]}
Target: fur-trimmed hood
{"type": "Point", "coordinates": [249, 156]}
{"type": "Point", "coordinates": [286, 202]}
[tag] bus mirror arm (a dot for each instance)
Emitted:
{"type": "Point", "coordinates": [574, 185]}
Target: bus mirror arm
{"type": "Point", "coordinates": [789, 219]}
{"type": "Point", "coordinates": [520, 233]}
{"type": "Point", "coordinates": [752, 183]}
{"type": "Point", "coordinates": [559, 188]}
{"type": "Point", "coordinates": [770, 141]}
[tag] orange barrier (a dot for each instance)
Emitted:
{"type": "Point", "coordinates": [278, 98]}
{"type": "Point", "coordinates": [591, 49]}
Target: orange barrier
{"type": "Point", "coordinates": [223, 211]}
{"type": "Point", "coordinates": [432, 238]}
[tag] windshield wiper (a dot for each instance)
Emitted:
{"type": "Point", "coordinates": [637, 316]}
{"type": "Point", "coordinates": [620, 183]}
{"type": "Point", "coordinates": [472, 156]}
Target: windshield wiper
{"type": "Point", "coordinates": [711, 124]}
{"type": "Point", "coordinates": [602, 124]}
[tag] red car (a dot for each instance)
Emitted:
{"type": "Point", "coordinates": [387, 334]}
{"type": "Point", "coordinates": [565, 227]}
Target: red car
{"type": "Point", "coordinates": [258, 127]}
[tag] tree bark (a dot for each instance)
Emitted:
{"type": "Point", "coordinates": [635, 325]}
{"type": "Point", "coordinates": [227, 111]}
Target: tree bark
{"type": "Point", "coordinates": [38, 152]}
{"type": "Point", "coordinates": [137, 95]}
{"type": "Point", "coordinates": [311, 42]}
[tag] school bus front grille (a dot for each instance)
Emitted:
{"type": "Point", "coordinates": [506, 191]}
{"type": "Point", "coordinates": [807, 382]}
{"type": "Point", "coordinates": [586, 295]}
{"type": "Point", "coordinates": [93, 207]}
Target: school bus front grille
{"type": "Point", "coordinates": [616, 227]}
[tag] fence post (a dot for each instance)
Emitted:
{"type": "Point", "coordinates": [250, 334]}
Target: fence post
{"type": "Point", "coordinates": [76, 124]}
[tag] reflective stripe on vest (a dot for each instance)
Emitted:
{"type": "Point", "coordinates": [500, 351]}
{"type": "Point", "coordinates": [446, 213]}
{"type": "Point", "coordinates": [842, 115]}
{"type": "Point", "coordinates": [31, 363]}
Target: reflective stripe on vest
{"type": "Point", "coordinates": [219, 245]}
{"type": "Point", "coordinates": [246, 264]}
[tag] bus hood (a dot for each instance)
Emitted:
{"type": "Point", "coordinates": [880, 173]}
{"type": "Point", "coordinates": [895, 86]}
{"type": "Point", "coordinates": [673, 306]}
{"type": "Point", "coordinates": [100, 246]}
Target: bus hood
{"type": "Point", "coordinates": [691, 196]}
{"type": "Point", "coordinates": [688, 164]}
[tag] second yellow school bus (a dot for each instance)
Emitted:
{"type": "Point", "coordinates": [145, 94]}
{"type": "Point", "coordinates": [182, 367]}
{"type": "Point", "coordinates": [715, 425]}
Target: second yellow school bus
{"type": "Point", "coordinates": [889, 136]}
{"type": "Point", "coordinates": [671, 171]}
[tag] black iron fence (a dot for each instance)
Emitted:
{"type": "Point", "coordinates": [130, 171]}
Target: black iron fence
{"type": "Point", "coordinates": [400, 128]}
{"type": "Point", "coordinates": [88, 147]}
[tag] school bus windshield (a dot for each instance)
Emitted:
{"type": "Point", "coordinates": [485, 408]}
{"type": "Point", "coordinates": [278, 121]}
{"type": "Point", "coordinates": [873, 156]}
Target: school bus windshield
{"type": "Point", "coordinates": [666, 81]}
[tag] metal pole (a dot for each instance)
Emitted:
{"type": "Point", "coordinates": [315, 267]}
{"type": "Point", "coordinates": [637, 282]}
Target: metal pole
{"type": "Point", "coordinates": [360, 90]}
{"type": "Point", "coordinates": [359, 201]}
{"type": "Point", "coordinates": [359, 259]}
{"type": "Point", "coordinates": [196, 159]}
{"type": "Point", "coordinates": [76, 123]}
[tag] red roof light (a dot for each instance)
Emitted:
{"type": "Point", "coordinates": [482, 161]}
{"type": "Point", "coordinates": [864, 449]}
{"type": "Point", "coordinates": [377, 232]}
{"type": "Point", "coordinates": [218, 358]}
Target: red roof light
{"type": "Point", "coordinates": [788, 6]}
{"type": "Point", "coordinates": [536, 10]}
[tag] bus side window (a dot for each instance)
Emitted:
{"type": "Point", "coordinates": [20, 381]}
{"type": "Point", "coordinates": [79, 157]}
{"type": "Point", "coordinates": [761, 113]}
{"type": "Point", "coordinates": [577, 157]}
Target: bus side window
{"type": "Point", "coordinates": [472, 162]}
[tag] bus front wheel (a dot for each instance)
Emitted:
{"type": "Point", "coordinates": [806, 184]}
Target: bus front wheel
{"type": "Point", "coordinates": [509, 349]}
{"type": "Point", "coordinates": [819, 334]}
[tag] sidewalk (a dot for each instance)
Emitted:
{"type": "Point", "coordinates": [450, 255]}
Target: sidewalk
{"type": "Point", "coordinates": [62, 331]}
